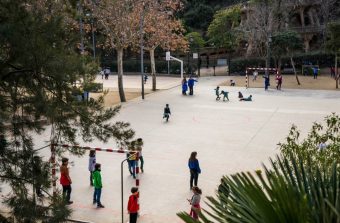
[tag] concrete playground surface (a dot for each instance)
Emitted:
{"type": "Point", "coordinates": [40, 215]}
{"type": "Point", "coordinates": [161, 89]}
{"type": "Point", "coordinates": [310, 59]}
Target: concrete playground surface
{"type": "Point", "coordinates": [228, 136]}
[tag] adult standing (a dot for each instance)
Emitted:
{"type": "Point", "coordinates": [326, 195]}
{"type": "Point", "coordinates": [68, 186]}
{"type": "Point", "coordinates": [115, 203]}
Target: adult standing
{"type": "Point", "coordinates": [65, 180]}
{"type": "Point", "coordinates": [195, 202]}
{"type": "Point", "coordinates": [191, 83]}
{"type": "Point", "coordinates": [184, 86]}
{"type": "Point", "coordinates": [133, 205]}
{"type": "Point", "coordinates": [194, 168]}
{"type": "Point", "coordinates": [279, 81]}
{"type": "Point", "coordinates": [92, 163]}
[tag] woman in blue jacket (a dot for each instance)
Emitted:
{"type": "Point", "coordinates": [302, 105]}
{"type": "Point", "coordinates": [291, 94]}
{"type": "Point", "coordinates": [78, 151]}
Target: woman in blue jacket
{"type": "Point", "coordinates": [194, 168]}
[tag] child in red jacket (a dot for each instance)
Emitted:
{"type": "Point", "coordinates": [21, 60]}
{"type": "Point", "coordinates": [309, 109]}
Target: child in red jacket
{"type": "Point", "coordinates": [133, 205]}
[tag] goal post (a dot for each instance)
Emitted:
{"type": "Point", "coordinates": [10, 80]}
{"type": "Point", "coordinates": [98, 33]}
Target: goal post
{"type": "Point", "coordinates": [249, 69]}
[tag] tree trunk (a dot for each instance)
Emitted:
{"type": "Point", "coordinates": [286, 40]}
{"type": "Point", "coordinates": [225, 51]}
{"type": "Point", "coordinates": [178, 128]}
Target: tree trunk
{"type": "Point", "coordinates": [336, 72]}
{"type": "Point", "coordinates": [120, 74]}
{"type": "Point", "coordinates": [293, 65]}
{"type": "Point", "coordinates": [302, 17]}
{"type": "Point", "coordinates": [153, 68]}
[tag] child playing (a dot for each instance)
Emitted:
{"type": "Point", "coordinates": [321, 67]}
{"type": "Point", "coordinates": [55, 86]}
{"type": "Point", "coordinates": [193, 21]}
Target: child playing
{"type": "Point", "coordinates": [145, 78]}
{"type": "Point", "coordinates": [195, 202]}
{"type": "Point", "coordinates": [217, 92]}
{"type": "Point", "coordinates": [132, 159]}
{"type": "Point", "coordinates": [65, 181]}
{"type": "Point", "coordinates": [247, 99]}
{"type": "Point", "coordinates": [232, 83]}
{"type": "Point", "coordinates": [97, 183]}
{"type": "Point", "coordinates": [240, 95]}
{"type": "Point", "coordinates": [167, 112]}
{"type": "Point", "coordinates": [225, 95]}
{"type": "Point", "coordinates": [133, 205]}
{"type": "Point", "coordinates": [92, 163]}
{"type": "Point", "coordinates": [139, 149]}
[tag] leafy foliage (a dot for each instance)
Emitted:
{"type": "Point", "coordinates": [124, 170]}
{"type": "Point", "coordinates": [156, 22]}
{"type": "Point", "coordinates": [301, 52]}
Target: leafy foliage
{"type": "Point", "coordinates": [220, 31]}
{"type": "Point", "coordinates": [309, 147]}
{"type": "Point", "coordinates": [39, 65]}
{"type": "Point", "coordinates": [284, 43]}
{"type": "Point", "coordinates": [198, 15]}
{"type": "Point", "coordinates": [197, 40]}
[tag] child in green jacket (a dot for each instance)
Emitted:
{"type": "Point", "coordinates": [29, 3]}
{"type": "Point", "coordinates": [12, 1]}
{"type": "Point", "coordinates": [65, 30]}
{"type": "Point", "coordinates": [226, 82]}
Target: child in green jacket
{"type": "Point", "coordinates": [97, 184]}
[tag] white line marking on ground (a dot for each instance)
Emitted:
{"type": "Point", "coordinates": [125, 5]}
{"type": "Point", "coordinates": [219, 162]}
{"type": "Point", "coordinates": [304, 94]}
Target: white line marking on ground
{"type": "Point", "coordinates": [270, 110]}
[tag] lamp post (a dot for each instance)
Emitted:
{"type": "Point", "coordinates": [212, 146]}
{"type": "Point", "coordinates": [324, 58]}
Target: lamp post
{"type": "Point", "coordinates": [198, 63]}
{"type": "Point", "coordinates": [142, 49]}
{"type": "Point", "coordinates": [93, 37]}
{"type": "Point", "coordinates": [191, 40]}
{"type": "Point", "coordinates": [80, 10]}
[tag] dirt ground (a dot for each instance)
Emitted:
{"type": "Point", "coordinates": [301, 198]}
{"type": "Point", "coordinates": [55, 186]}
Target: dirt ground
{"type": "Point", "coordinates": [323, 82]}
{"type": "Point", "coordinates": [112, 97]}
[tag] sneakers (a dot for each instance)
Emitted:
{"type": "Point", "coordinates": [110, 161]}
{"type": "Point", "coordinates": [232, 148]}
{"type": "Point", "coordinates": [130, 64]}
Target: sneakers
{"type": "Point", "coordinates": [100, 206]}
{"type": "Point", "coordinates": [69, 202]}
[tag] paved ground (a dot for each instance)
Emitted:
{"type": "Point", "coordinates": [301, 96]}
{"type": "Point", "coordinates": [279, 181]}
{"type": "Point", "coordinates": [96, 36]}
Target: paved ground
{"type": "Point", "coordinates": [228, 136]}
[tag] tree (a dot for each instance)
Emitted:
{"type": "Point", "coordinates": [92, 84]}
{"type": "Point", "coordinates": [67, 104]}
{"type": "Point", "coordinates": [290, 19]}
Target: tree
{"type": "Point", "coordinates": [119, 26]}
{"type": "Point", "coordinates": [333, 45]}
{"type": "Point", "coordinates": [38, 66]}
{"type": "Point", "coordinates": [301, 185]}
{"type": "Point", "coordinates": [221, 30]}
{"type": "Point", "coordinates": [161, 28]}
{"type": "Point", "coordinates": [196, 40]}
{"type": "Point", "coordinates": [285, 43]}
{"type": "Point", "coordinates": [258, 26]}
{"type": "Point", "coordinates": [198, 14]}
{"type": "Point", "coordinates": [327, 132]}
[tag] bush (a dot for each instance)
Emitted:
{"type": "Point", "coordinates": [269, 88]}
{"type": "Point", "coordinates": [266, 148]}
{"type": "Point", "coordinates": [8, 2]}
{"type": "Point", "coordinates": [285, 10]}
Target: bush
{"type": "Point", "coordinates": [93, 87]}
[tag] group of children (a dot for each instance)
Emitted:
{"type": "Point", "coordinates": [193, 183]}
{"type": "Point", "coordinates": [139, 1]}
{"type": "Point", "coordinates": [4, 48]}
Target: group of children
{"type": "Point", "coordinates": [225, 95]}
{"type": "Point", "coordinates": [96, 178]}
